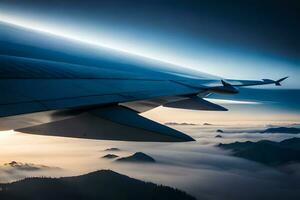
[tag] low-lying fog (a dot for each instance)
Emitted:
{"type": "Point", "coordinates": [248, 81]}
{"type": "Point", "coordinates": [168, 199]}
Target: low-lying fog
{"type": "Point", "coordinates": [199, 168]}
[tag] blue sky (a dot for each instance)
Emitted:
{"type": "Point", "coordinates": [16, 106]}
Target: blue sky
{"type": "Point", "coordinates": [220, 40]}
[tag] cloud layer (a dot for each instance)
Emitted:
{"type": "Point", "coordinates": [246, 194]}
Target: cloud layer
{"type": "Point", "coordinates": [199, 168]}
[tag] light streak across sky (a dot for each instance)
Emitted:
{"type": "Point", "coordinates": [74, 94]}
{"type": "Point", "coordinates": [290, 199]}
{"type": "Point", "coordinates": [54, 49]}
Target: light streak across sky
{"type": "Point", "coordinates": [80, 37]}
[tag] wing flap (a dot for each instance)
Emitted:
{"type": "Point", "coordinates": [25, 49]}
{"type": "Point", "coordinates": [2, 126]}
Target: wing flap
{"type": "Point", "coordinates": [110, 123]}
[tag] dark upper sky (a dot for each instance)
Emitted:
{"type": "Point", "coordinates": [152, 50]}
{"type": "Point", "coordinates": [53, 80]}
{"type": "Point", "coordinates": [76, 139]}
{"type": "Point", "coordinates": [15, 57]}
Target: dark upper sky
{"type": "Point", "coordinates": [270, 27]}
{"type": "Point", "coordinates": [219, 37]}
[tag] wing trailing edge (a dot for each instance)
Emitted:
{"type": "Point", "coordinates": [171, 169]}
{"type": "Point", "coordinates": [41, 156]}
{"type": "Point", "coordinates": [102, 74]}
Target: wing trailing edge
{"type": "Point", "coordinates": [110, 123]}
{"type": "Point", "coordinates": [195, 103]}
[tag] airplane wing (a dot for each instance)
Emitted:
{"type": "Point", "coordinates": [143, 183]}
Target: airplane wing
{"type": "Point", "coordinates": [31, 85]}
{"type": "Point", "coordinates": [62, 91]}
{"type": "Point", "coordinates": [34, 85]}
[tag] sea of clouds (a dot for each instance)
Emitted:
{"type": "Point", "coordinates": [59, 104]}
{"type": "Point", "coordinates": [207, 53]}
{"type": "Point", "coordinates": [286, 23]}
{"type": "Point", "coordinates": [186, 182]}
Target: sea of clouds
{"type": "Point", "coordinates": [199, 168]}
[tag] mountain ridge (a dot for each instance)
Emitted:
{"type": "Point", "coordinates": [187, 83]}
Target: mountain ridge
{"type": "Point", "coordinates": [102, 184]}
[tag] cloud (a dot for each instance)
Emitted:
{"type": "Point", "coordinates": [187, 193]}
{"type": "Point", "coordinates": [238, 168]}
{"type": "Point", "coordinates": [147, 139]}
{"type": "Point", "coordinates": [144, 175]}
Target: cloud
{"type": "Point", "coordinates": [26, 166]}
{"type": "Point", "coordinates": [199, 168]}
{"type": "Point", "coordinates": [18, 170]}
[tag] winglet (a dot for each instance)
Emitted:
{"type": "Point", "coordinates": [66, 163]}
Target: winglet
{"type": "Point", "coordinates": [280, 80]}
{"type": "Point", "coordinates": [225, 83]}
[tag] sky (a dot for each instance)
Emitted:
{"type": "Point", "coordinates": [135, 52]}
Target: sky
{"type": "Point", "coordinates": [232, 39]}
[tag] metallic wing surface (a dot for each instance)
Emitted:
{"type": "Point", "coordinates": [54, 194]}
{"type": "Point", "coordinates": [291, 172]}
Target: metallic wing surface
{"type": "Point", "coordinates": [52, 85]}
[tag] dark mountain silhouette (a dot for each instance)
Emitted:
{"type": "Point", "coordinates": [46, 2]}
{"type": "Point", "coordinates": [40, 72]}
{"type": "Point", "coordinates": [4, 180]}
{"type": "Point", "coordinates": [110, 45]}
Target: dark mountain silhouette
{"type": "Point", "coordinates": [112, 149]}
{"type": "Point", "coordinates": [267, 152]}
{"type": "Point", "coordinates": [137, 157]}
{"type": "Point", "coordinates": [220, 131]}
{"type": "Point", "coordinates": [104, 184]}
{"type": "Point", "coordinates": [218, 136]}
{"type": "Point", "coordinates": [110, 156]}
{"type": "Point", "coordinates": [291, 143]}
{"type": "Point", "coordinates": [175, 124]}
{"type": "Point", "coordinates": [291, 130]}
{"type": "Point", "coordinates": [206, 124]}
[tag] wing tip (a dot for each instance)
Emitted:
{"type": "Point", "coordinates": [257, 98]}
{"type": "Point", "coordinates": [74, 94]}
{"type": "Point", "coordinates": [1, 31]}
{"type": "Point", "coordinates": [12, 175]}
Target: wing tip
{"type": "Point", "coordinates": [278, 82]}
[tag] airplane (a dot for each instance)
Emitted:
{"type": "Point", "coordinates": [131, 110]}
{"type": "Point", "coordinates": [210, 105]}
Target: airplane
{"type": "Point", "coordinates": [57, 86]}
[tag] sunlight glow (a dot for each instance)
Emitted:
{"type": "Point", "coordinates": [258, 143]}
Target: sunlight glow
{"type": "Point", "coordinates": [80, 37]}
{"type": "Point", "coordinates": [33, 25]}
{"type": "Point", "coordinates": [223, 101]}
{"type": "Point", "coordinates": [4, 134]}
